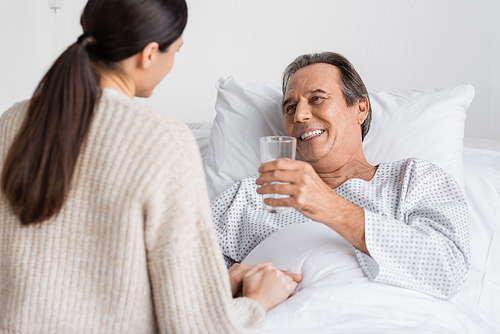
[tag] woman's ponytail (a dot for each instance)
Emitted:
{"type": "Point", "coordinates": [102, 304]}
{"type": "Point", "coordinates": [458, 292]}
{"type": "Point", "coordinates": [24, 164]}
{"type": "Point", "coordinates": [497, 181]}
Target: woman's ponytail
{"type": "Point", "coordinates": [42, 159]}
{"type": "Point", "coordinates": [39, 166]}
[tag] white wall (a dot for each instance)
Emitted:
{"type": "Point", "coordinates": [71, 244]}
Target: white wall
{"type": "Point", "coordinates": [394, 44]}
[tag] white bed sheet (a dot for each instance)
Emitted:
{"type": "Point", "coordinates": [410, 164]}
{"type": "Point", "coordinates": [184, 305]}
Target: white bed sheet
{"type": "Point", "coordinates": [336, 297]}
{"type": "Point", "coordinates": [482, 182]}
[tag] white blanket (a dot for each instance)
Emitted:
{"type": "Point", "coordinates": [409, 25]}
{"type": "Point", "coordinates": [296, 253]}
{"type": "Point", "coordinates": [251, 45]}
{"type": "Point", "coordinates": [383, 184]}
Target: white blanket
{"type": "Point", "coordinates": [336, 296]}
{"type": "Point", "coordinates": [483, 198]}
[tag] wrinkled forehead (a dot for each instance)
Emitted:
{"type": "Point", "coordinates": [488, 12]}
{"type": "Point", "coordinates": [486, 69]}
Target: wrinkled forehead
{"type": "Point", "coordinates": [313, 77]}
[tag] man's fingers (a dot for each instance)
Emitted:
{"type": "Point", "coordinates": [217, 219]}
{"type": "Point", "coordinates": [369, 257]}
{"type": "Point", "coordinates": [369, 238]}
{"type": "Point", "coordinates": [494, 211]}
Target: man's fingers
{"type": "Point", "coordinates": [288, 202]}
{"type": "Point", "coordinates": [285, 176]}
{"type": "Point", "coordinates": [296, 277]}
{"type": "Point", "coordinates": [284, 189]}
{"type": "Point", "coordinates": [282, 163]}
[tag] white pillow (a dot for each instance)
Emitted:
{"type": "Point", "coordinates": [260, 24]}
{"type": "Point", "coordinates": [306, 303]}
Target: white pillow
{"type": "Point", "coordinates": [201, 132]}
{"type": "Point", "coordinates": [426, 124]}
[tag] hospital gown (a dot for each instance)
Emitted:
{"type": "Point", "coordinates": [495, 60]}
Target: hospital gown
{"type": "Point", "coordinates": [415, 225]}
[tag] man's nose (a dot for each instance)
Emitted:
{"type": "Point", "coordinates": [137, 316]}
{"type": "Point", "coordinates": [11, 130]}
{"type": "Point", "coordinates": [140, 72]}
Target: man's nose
{"type": "Point", "coordinates": [303, 112]}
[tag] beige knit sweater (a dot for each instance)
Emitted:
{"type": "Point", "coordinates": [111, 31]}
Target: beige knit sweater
{"type": "Point", "coordinates": [133, 248]}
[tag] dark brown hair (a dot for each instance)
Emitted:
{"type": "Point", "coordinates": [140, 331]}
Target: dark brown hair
{"type": "Point", "coordinates": [351, 84]}
{"type": "Point", "coordinates": [41, 161]}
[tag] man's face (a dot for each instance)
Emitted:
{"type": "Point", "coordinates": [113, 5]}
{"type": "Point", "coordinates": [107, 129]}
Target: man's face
{"type": "Point", "coordinates": [315, 112]}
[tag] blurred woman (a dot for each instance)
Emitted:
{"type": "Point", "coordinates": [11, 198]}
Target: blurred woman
{"type": "Point", "coordinates": [104, 218]}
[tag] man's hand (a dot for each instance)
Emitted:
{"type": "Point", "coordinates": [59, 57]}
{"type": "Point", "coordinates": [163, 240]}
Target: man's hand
{"type": "Point", "coordinates": [308, 193]}
{"type": "Point", "coordinates": [312, 197]}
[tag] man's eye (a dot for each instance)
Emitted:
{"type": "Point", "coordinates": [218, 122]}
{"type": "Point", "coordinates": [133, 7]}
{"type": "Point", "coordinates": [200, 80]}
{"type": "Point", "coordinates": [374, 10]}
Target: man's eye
{"type": "Point", "coordinates": [316, 98]}
{"type": "Point", "coordinates": [289, 109]}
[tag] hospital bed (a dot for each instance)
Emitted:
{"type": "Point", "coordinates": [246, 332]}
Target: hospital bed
{"type": "Point", "coordinates": [335, 295]}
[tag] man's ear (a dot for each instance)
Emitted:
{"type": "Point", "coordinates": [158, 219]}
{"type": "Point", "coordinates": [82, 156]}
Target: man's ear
{"type": "Point", "coordinates": [362, 113]}
{"type": "Point", "coordinates": [148, 55]}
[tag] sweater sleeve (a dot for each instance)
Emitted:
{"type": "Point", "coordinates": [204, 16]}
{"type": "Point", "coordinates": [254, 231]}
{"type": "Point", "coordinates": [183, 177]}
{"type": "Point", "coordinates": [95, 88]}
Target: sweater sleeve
{"type": "Point", "coordinates": [190, 283]}
{"type": "Point", "coordinates": [426, 248]}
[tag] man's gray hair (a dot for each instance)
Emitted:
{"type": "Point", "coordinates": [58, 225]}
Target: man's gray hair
{"type": "Point", "coordinates": [351, 84]}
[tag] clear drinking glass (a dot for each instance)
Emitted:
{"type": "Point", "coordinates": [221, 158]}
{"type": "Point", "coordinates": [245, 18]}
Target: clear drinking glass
{"type": "Point", "coordinates": [272, 148]}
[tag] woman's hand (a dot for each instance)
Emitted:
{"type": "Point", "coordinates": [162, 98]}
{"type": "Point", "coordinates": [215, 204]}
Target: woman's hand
{"type": "Point", "coordinates": [268, 286]}
{"type": "Point", "coordinates": [238, 271]}
{"type": "Point", "coordinates": [313, 198]}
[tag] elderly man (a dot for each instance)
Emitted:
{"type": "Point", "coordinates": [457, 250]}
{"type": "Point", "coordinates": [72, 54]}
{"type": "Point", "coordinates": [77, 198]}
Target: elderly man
{"type": "Point", "coordinates": [407, 220]}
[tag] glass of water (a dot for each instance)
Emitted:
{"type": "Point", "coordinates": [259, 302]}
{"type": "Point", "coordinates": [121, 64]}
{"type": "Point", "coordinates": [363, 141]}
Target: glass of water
{"type": "Point", "coordinates": [272, 148]}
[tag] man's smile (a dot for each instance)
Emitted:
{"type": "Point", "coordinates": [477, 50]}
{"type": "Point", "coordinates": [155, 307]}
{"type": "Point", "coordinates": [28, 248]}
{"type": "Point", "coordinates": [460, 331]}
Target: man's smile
{"type": "Point", "coordinates": [310, 133]}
